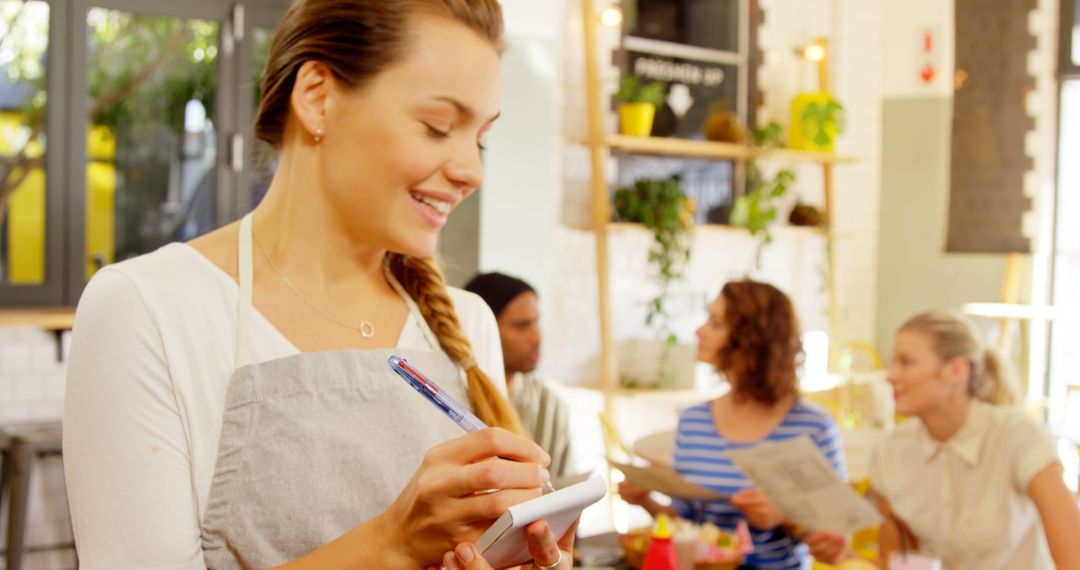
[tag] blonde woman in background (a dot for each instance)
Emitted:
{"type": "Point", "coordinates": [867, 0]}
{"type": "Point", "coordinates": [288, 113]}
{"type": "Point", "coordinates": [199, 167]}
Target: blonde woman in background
{"type": "Point", "coordinates": [229, 403]}
{"type": "Point", "coordinates": [971, 480]}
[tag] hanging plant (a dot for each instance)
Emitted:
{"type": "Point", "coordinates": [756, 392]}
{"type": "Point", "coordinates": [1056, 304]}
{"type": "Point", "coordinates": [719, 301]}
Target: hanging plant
{"type": "Point", "coordinates": [759, 207]}
{"type": "Point", "coordinates": [661, 207]}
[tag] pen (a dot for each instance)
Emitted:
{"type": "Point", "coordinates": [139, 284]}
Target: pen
{"type": "Point", "coordinates": [442, 400]}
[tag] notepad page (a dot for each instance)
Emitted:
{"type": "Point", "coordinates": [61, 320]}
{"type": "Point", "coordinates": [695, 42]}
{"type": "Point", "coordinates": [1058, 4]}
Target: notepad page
{"type": "Point", "coordinates": [504, 544]}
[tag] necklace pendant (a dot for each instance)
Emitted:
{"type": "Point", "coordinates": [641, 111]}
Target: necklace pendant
{"type": "Point", "coordinates": [367, 329]}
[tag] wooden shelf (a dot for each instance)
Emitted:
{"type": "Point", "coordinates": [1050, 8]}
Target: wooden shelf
{"type": "Point", "coordinates": [674, 394]}
{"type": "Point", "coordinates": [624, 227]}
{"type": "Point", "coordinates": [47, 318]}
{"type": "Point", "coordinates": [662, 146]}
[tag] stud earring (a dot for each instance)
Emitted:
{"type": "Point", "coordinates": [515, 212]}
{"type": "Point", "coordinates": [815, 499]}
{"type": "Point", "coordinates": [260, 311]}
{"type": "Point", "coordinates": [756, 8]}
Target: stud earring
{"type": "Point", "coordinates": [319, 134]}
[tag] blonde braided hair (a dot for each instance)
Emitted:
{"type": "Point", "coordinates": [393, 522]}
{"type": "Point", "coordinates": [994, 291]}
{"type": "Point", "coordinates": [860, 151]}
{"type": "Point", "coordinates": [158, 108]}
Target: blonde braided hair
{"type": "Point", "coordinates": [424, 282]}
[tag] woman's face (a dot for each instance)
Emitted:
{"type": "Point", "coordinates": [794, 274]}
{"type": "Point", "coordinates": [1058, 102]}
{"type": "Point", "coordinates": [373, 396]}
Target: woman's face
{"type": "Point", "coordinates": [921, 380]}
{"type": "Point", "coordinates": [713, 335]}
{"type": "Point", "coordinates": [402, 152]}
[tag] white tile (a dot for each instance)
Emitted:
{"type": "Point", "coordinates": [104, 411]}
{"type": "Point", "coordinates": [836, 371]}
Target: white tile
{"type": "Point", "coordinates": [14, 358]}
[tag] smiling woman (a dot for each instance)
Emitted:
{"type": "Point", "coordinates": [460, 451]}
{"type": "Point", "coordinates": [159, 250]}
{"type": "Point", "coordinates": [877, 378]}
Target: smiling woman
{"type": "Point", "coordinates": [971, 479]}
{"type": "Point", "coordinates": [234, 388]}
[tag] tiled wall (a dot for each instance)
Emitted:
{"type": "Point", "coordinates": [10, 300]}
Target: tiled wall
{"type": "Point", "coordinates": [32, 389]}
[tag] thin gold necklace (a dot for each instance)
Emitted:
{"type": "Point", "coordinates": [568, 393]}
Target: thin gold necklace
{"type": "Point", "coordinates": [366, 328]}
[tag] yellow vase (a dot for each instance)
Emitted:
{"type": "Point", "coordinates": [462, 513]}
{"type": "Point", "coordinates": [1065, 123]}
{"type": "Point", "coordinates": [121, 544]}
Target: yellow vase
{"type": "Point", "coordinates": [636, 119]}
{"type": "Point", "coordinates": [801, 132]}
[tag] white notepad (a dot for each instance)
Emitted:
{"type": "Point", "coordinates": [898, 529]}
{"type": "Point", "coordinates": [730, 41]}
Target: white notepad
{"type": "Point", "coordinates": [503, 543]}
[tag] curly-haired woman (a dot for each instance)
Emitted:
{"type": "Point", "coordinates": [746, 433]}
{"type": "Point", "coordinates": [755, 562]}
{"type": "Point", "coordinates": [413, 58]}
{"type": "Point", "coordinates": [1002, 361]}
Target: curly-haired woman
{"type": "Point", "coordinates": [752, 337]}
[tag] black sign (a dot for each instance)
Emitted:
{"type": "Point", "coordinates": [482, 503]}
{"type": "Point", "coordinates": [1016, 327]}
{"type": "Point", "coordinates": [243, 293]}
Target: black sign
{"type": "Point", "coordinates": [694, 90]}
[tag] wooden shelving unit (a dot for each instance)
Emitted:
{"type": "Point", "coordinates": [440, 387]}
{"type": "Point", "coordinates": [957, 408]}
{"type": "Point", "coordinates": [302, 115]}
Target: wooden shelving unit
{"type": "Point", "coordinates": [600, 144]}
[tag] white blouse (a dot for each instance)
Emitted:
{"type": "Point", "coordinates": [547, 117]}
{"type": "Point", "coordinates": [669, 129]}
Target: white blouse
{"type": "Point", "coordinates": [966, 500]}
{"type": "Point", "coordinates": [152, 352]}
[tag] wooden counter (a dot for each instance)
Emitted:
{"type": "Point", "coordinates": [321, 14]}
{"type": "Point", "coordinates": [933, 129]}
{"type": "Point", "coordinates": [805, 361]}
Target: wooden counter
{"type": "Point", "coordinates": [47, 318]}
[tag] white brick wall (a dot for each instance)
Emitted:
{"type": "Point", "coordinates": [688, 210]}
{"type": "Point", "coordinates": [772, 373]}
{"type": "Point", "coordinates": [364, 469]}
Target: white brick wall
{"type": "Point", "coordinates": [852, 28]}
{"type": "Point", "coordinates": [32, 389]}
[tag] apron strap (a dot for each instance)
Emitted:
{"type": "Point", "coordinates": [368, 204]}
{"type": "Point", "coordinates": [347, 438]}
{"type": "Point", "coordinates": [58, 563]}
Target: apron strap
{"type": "Point", "coordinates": [243, 305]}
{"type": "Point", "coordinates": [432, 340]}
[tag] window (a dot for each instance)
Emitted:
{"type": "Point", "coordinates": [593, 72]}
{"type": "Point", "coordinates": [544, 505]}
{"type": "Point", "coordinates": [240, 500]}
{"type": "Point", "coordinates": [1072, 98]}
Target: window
{"type": "Point", "coordinates": [120, 136]}
{"type": "Point", "coordinates": [151, 150]}
{"type": "Point", "coordinates": [1063, 385]}
{"type": "Point", "coordinates": [24, 42]}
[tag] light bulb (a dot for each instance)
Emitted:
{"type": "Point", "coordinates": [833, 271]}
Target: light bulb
{"type": "Point", "coordinates": [611, 16]}
{"type": "Point", "coordinates": [814, 52]}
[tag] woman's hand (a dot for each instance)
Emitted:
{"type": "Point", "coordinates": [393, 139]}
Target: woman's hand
{"type": "Point", "coordinates": [828, 547]}
{"type": "Point", "coordinates": [758, 509]}
{"type": "Point", "coordinates": [449, 500]}
{"type": "Point", "coordinates": [547, 553]}
{"type": "Point", "coordinates": [633, 494]}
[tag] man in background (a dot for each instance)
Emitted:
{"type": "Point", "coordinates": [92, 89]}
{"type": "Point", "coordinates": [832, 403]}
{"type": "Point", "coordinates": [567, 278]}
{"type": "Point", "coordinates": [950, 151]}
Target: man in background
{"type": "Point", "coordinates": [544, 415]}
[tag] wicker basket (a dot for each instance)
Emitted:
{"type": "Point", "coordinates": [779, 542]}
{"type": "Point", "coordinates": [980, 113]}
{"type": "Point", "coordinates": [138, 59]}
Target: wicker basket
{"type": "Point", "coordinates": [636, 544]}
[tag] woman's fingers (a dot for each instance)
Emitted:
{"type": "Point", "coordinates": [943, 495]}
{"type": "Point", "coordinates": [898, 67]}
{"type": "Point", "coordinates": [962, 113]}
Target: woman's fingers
{"type": "Point", "coordinates": [487, 443]}
{"type": "Point", "coordinates": [490, 506]}
{"type": "Point", "coordinates": [545, 549]}
{"type": "Point", "coordinates": [748, 498]}
{"type": "Point", "coordinates": [566, 542]}
{"type": "Point", "coordinates": [465, 557]}
{"type": "Point", "coordinates": [826, 546]}
{"type": "Point", "coordinates": [496, 474]}
{"type": "Point", "coordinates": [543, 546]}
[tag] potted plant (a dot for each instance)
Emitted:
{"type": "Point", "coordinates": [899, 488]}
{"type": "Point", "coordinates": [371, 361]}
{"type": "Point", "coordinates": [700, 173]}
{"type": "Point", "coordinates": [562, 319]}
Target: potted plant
{"type": "Point", "coordinates": [816, 120]}
{"type": "Point", "coordinates": [722, 124]}
{"type": "Point", "coordinates": [638, 103]}
{"type": "Point", "coordinates": [759, 207]}
{"type": "Point", "coordinates": [661, 207]}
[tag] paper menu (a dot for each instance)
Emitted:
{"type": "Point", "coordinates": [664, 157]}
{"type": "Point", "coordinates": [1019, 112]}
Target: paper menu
{"type": "Point", "coordinates": [664, 480]}
{"type": "Point", "coordinates": [795, 476]}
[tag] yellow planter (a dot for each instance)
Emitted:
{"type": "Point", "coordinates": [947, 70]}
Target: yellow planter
{"type": "Point", "coordinates": [636, 119]}
{"type": "Point", "coordinates": [802, 132]}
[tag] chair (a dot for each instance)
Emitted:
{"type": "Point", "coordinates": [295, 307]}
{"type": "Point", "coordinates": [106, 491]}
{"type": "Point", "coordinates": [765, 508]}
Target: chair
{"type": "Point", "coordinates": [22, 445]}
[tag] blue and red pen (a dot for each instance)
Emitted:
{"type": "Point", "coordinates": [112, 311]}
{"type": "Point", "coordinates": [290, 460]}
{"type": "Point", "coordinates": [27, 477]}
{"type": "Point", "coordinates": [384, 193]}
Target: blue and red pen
{"type": "Point", "coordinates": [441, 399]}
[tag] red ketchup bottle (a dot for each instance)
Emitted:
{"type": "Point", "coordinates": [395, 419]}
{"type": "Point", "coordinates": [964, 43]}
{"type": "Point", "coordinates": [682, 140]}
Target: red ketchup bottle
{"type": "Point", "coordinates": [661, 554]}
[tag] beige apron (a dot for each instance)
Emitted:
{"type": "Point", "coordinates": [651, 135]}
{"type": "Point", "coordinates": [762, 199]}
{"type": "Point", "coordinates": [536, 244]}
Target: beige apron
{"type": "Point", "coordinates": [316, 443]}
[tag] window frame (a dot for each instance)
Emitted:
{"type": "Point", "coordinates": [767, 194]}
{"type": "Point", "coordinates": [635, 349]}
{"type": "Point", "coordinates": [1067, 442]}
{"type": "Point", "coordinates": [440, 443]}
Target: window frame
{"type": "Point", "coordinates": [1067, 68]}
{"type": "Point", "coordinates": [51, 290]}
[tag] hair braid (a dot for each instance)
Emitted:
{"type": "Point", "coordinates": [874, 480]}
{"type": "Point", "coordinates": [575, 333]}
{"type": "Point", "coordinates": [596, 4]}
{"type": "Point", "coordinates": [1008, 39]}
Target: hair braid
{"type": "Point", "coordinates": [424, 282]}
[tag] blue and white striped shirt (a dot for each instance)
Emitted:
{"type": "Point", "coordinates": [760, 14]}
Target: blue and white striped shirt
{"type": "Point", "coordinates": [700, 456]}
